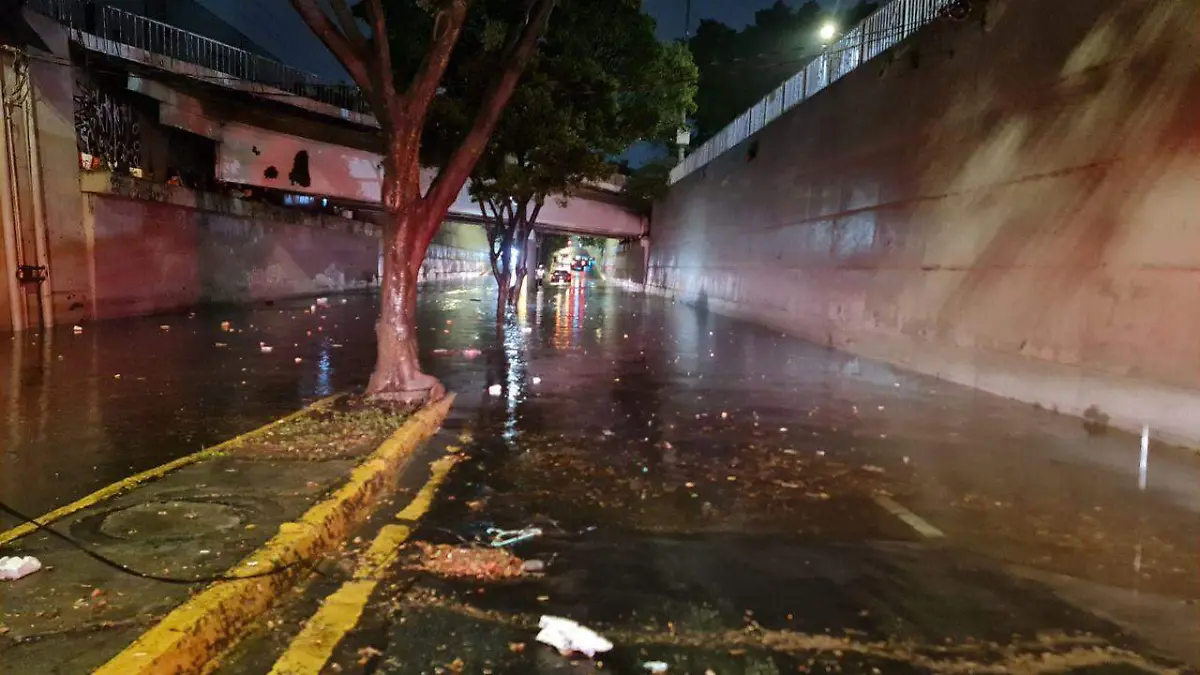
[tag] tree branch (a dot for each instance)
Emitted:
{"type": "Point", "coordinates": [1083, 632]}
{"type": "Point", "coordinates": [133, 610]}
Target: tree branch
{"type": "Point", "coordinates": [383, 53]}
{"type": "Point", "coordinates": [349, 25]}
{"type": "Point", "coordinates": [537, 209]}
{"type": "Point", "coordinates": [352, 59]}
{"type": "Point", "coordinates": [452, 176]}
{"type": "Point", "coordinates": [447, 27]}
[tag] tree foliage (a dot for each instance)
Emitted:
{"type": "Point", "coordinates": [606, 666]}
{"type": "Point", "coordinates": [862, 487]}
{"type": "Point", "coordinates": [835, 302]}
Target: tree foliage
{"type": "Point", "coordinates": [739, 68]}
{"type": "Point", "coordinates": [600, 82]}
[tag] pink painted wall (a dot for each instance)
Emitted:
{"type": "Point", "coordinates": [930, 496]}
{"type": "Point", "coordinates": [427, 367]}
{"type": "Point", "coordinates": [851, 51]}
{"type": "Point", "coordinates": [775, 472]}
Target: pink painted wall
{"type": "Point", "coordinates": [249, 155]}
{"type": "Point", "coordinates": [1011, 202]}
{"type": "Point", "coordinates": [153, 257]}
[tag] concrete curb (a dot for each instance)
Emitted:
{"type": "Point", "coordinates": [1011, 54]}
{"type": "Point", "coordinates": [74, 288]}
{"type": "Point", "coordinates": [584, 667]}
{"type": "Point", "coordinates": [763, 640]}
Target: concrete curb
{"type": "Point", "coordinates": [200, 629]}
{"type": "Point", "coordinates": [127, 484]}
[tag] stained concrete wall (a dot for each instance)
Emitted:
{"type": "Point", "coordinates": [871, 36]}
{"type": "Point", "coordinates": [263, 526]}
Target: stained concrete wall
{"type": "Point", "coordinates": [160, 248]}
{"type": "Point", "coordinates": [459, 252]}
{"type": "Point", "coordinates": [1009, 202]}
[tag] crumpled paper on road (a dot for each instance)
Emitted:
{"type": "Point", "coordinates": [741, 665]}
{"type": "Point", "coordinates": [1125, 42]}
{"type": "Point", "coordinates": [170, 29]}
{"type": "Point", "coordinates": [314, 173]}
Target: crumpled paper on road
{"type": "Point", "coordinates": [569, 637]}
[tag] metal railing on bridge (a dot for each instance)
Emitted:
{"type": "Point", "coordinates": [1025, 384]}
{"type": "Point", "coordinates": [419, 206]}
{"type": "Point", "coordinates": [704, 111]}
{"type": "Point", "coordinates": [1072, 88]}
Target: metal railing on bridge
{"type": "Point", "coordinates": [127, 28]}
{"type": "Point", "coordinates": [886, 27]}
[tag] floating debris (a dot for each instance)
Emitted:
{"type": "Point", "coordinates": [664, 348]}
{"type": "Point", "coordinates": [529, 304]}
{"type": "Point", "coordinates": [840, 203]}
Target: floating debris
{"type": "Point", "coordinates": [486, 564]}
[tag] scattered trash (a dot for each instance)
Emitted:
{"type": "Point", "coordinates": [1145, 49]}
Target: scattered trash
{"type": "Point", "coordinates": [509, 537]}
{"type": "Point", "coordinates": [366, 654]}
{"type": "Point", "coordinates": [655, 666]}
{"type": "Point", "coordinates": [218, 345]}
{"type": "Point", "coordinates": [533, 567]}
{"type": "Point", "coordinates": [481, 564]}
{"type": "Point", "coordinates": [494, 390]}
{"type": "Point", "coordinates": [872, 468]}
{"type": "Point", "coordinates": [298, 359]}
{"type": "Point", "coordinates": [471, 353]}
{"type": "Point", "coordinates": [164, 328]}
{"type": "Point", "coordinates": [16, 567]}
{"type": "Point", "coordinates": [77, 329]}
{"type": "Point", "coordinates": [569, 637]}
{"type": "Point", "coordinates": [225, 326]}
{"type": "Point", "coordinates": [537, 380]}
{"type": "Point", "coordinates": [266, 349]}
{"type": "Point", "coordinates": [322, 302]}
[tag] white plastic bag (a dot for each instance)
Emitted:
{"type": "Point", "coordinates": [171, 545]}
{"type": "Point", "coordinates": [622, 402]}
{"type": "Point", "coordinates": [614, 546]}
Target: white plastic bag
{"type": "Point", "coordinates": [567, 637]}
{"type": "Point", "coordinates": [14, 567]}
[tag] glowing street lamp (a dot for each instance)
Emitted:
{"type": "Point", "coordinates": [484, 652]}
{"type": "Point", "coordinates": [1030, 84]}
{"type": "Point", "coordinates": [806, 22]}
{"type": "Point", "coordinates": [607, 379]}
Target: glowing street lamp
{"type": "Point", "coordinates": [827, 32]}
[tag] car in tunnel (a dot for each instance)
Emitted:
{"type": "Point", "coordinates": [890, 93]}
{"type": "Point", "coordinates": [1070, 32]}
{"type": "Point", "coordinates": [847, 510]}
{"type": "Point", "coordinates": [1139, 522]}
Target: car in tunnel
{"type": "Point", "coordinates": [560, 277]}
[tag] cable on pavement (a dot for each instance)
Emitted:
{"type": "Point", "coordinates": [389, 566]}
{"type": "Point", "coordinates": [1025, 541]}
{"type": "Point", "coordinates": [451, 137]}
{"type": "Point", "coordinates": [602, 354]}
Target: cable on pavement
{"type": "Point", "coordinates": [121, 567]}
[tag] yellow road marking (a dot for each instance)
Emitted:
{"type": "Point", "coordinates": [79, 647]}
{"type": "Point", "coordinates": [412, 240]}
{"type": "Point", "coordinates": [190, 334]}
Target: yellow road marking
{"type": "Point", "coordinates": [135, 480]}
{"type": "Point", "coordinates": [914, 521]}
{"type": "Point", "coordinates": [424, 498]}
{"type": "Point", "coordinates": [339, 614]}
{"type": "Point", "coordinates": [195, 632]}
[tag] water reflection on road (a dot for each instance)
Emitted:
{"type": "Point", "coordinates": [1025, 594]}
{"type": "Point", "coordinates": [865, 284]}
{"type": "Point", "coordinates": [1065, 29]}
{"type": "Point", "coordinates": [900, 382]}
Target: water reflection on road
{"type": "Point", "coordinates": [630, 412]}
{"type": "Point", "coordinates": [79, 411]}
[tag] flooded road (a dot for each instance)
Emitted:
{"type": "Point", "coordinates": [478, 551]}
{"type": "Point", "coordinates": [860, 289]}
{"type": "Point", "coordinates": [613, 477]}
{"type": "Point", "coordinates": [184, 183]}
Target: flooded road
{"type": "Point", "coordinates": [725, 499]}
{"type": "Point", "coordinates": [711, 494]}
{"type": "Point", "coordinates": [80, 411]}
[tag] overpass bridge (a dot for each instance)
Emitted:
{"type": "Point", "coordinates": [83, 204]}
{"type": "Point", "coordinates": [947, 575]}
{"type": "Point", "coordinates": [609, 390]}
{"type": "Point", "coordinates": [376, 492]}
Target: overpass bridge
{"type": "Point", "coordinates": [188, 74]}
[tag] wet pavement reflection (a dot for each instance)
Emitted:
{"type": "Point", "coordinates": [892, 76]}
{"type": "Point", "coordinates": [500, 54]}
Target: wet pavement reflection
{"type": "Point", "coordinates": [709, 490]}
{"type": "Point", "coordinates": [79, 411]}
{"type": "Point", "coordinates": [718, 493]}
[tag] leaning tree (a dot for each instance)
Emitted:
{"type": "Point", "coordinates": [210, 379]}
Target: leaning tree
{"type": "Point", "coordinates": [398, 52]}
{"type": "Point", "coordinates": [600, 82]}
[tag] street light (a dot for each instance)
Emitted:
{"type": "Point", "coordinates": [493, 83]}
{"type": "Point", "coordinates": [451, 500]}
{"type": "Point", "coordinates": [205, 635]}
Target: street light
{"type": "Point", "coordinates": [827, 31]}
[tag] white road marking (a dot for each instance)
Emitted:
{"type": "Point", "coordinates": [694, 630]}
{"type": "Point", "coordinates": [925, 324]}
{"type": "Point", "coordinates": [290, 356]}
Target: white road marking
{"type": "Point", "coordinates": [913, 520]}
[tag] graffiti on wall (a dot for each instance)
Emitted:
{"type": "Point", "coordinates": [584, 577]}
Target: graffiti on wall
{"type": "Point", "coordinates": [107, 129]}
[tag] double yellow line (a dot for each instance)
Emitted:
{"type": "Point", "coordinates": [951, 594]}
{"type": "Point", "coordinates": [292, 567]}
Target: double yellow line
{"type": "Point", "coordinates": [195, 633]}
{"type": "Point", "coordinates": [311, 649]}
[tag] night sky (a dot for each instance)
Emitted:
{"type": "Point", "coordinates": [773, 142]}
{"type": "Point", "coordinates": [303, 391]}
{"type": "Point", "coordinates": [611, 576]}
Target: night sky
{"type": "Point", "coordinates": [275, 25]}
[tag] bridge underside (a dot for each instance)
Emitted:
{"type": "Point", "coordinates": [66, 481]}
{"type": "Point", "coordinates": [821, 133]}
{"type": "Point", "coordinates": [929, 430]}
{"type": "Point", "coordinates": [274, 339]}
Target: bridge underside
{"type": "Point", "coordinates": [255, 156]}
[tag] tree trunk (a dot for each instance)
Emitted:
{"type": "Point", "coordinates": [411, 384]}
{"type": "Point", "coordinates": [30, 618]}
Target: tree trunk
{"type": "Point", "coordinates": [503, 271]}
{"type": "Point", "coordinates": [398, 376]}
{"type": "Point", "coordinates": [502, 296]}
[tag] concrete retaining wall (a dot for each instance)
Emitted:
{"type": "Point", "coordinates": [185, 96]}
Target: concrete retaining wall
{"type": "Point", "coordinates": [1009, 202]}
{"type": "Point", "coordinates": [458, 253]}
{"type": "Point", "coordinates": [159, 248]}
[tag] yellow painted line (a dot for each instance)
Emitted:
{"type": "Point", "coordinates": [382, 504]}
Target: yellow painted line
{"type": "Point", "coordinates": [339, 614]}
{"type": "Point", "coordinates": [135, 480]}
{"type": "Point", "coordinates": [914, 521]}
{"type": "Point", "coordinates": [341, 611]}
{"type": "Point", "coordinates": [420, 504]}
{"type": "Point", "coordinates": [210, 621]}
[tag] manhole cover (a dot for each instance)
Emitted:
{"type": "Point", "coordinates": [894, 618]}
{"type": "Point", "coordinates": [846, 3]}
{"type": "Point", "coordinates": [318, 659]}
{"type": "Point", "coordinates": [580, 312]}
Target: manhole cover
{"type": "Point", "coordinates": [170, 519]}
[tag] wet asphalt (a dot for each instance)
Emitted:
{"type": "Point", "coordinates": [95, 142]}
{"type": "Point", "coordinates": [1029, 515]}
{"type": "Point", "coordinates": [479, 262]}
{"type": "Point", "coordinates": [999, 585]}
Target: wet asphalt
{"type": "Point", "coordinates": [711, 494]}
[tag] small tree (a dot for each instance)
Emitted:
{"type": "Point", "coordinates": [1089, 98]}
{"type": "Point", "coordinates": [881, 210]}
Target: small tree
{"type": "Point", "coordinates": [600, 82]}
{"type": "Point", "coordinates": [399, 67]}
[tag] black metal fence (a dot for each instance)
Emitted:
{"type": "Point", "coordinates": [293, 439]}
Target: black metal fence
{"type": "Point", "coordinates": [128, 28]}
